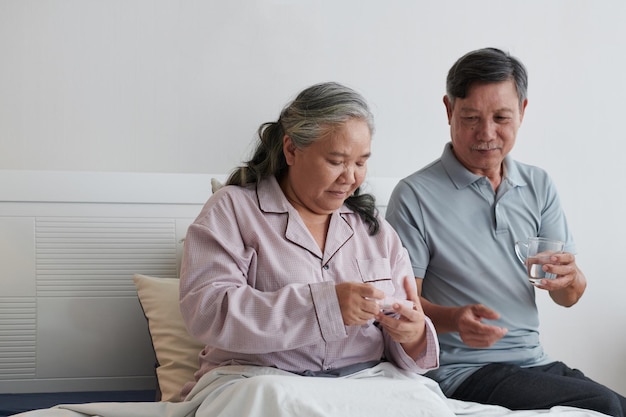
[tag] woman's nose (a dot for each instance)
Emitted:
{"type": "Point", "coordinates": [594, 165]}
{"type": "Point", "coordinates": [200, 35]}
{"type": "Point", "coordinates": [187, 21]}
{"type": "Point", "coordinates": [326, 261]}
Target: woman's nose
{"type": "Point", "coordinates": [349, 174]}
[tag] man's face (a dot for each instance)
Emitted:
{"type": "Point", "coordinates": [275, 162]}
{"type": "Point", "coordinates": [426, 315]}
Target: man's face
{"type": "Point", "coordinates": [483, 126]}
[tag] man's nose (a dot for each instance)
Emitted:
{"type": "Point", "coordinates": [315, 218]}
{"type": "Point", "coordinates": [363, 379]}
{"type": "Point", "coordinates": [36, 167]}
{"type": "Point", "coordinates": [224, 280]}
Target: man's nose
{"type": "Point", "coordinates": [487, 130]}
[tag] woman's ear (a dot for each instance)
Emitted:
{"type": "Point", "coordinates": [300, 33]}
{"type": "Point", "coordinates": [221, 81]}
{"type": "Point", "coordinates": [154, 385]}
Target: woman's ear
{"type": "Point", "coordinates": [289, 149]}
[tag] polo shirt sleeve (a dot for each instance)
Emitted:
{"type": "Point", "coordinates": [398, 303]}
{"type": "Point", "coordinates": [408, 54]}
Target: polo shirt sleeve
{"type": "Point", "coordinates": [553, 219]}
{"type": "Point", "coordinates": [404, 215]}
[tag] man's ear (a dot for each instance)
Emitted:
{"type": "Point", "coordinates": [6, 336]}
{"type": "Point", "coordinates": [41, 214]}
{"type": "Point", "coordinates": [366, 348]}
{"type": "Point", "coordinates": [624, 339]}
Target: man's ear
{"type": "Point", "coordinates": [448, 104]}
{"type": "Point", "coordinates": [522, 110]}
{"type": "Point", "coordinates": [289, 149]}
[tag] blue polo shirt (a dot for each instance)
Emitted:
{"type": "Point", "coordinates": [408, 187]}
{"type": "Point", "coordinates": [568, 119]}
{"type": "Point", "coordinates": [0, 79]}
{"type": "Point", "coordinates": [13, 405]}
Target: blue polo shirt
{"type": "Point", "coordinates": [460, 235]}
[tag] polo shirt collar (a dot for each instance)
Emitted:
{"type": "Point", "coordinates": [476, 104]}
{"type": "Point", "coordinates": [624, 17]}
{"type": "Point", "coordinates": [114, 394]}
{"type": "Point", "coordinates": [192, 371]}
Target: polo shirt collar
{"type": "Point", "coordinates": [512, 173]}
{"type": "Point", "coordinates": [462, 177]}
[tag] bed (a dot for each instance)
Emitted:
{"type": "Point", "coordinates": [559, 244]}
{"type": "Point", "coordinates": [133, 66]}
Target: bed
{"type": "Point", "coordinates": [279, 394]}
{"type": "Point", "coordinates": [90, 304]}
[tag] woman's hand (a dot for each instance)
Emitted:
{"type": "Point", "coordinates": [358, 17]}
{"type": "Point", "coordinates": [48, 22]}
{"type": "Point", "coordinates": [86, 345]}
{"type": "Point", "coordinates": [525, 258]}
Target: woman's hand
{"type": "Point", "coordinates": [357, 302]}
{"type": "Point", "coordinates": [409, 329]}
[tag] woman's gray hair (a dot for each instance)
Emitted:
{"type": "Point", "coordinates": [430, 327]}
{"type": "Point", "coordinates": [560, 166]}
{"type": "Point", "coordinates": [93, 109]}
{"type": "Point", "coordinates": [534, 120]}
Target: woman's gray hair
{"type": "Point", "coordinates": [312, 115]}
{"type": "Point", "coordinates": [319, 109]}
{"type": "Point", "coordinates": [486, 65]}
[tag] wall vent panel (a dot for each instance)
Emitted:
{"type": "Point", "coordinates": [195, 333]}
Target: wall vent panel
{"type": "Point", "coordinates": [96, 257]}
{"type": "Point", "coordinates": [70, 319]}
{"type": "Point", "coordinates": [18, 338]}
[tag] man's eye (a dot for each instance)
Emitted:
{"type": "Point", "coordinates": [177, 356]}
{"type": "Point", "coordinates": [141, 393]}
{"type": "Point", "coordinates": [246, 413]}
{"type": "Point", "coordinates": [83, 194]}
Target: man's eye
{"type": "Point", "coordinates": [335, 163]}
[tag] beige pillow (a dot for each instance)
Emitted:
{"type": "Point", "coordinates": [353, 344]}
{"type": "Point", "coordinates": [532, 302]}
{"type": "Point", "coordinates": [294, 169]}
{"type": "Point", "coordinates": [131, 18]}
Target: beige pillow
{"type": "Point", "coordinates": [176, 351]}
{"type": "Point", "coordinates": [216, 185]}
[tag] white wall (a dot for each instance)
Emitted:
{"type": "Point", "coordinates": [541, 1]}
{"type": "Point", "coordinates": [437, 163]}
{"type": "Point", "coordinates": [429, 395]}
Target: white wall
{"type": "Point", "coordinates": [181, 86]}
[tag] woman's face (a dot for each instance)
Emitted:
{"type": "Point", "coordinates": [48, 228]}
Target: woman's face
{"type": "Point", "coordinates": [324, 174]}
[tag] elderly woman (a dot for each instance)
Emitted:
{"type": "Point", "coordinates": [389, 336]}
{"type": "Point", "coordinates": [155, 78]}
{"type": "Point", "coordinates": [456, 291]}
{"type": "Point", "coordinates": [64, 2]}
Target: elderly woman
{"type": "Point", "coordinates": [290, 267]}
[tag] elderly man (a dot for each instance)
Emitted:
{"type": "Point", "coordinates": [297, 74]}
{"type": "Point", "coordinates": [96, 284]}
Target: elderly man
{"type": "Point", "coordinates": [459, 217]}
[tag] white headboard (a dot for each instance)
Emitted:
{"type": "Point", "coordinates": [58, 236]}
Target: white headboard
{"type": "Point", "coordinates": [70, 243]}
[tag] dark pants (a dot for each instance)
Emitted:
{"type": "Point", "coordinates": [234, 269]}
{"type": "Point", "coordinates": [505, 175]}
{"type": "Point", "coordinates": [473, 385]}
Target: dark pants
{"type": "Point", "coordinates": [540, 387]}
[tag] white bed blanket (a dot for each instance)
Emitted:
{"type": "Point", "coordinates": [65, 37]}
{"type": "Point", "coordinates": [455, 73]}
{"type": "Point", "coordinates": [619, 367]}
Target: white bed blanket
{"type": "Point", "coordinates": [240, 391]}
